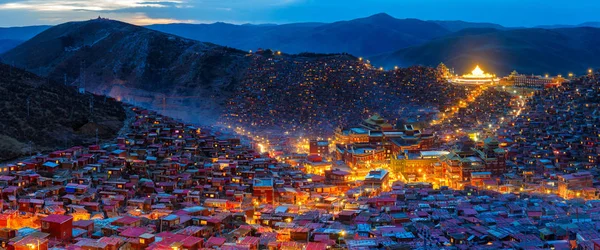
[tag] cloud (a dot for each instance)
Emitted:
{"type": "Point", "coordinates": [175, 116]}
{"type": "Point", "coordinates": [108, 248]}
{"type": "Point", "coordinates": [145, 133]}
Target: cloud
{"type": "Point", "coordinates": [143, 19]}
{"type": "Point", "coordinates": [83, 5]}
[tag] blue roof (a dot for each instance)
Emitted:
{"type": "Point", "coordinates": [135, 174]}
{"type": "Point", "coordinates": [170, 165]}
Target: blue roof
{"type": "Point", "coordinates": [50, 164]}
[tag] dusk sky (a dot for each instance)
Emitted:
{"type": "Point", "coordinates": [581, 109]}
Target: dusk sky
{"type": "Point", "coordinates": [142, 12]}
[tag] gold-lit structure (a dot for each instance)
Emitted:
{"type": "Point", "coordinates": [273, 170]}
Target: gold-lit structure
{"type": "Point", "coordinates": [477, 76]}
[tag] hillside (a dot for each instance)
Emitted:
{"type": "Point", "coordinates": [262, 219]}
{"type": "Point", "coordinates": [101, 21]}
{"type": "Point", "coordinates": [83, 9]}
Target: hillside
{"type": "Point", "coordinates": [457, 25]}
{"type": "Point", "coordinates": [8, 44]}
{"type": "Point", "coordinates": [13, 36]}
{"type": "Point", "coordinates": [22, 33]}
{"type": "Point", "coordinates": [556, 51]}
{"type": "Point", "coordinates": [316, 95]}
{"type": "Point", "coordinates": [361, 37]}
{"type": "Point", "coordinates": [124, 60]}
{"type": "Point", "coordinates": [561, 26]}
{"type": "Point", "coordinates": [58, 115]}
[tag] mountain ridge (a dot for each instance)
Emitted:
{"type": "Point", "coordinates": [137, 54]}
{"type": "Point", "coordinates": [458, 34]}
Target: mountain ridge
{"type": "Point", "coordinates": [539, 51]}
{"type": "Point", "coordinates": [362, 36]}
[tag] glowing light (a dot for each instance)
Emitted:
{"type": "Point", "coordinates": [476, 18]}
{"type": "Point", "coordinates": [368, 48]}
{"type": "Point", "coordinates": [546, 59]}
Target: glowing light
{"type": "Point", "coordinates": [477, 71]}
{"type": "Point", "coordinates": [262, 148]}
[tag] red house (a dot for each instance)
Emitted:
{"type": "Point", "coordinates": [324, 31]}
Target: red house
{"type": "Point", "coordinates": [263, 188]}
{"type": "Point", "coordinates": [58, 226]}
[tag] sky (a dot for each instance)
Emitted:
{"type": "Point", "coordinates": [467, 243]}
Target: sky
{"type": "Point", "coordinates": [513, 13]}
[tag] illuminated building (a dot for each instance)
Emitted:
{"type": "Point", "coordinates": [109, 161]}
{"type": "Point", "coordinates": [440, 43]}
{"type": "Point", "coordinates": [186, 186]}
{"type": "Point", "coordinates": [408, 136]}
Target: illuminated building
{"type": "Point", "coordinates": [371, 129]}
{"type": "Point", "coordinates": [58, 226]}
{"type": "Point", "coordinates": [376, 123]}
{"type": "Point", "coordinates": [575, 185]}
{"type": "Point", "coordinates": [460, 164]}
{"type": "Point", "coordinates": [411, 138]}
{"type": "Point", "coordinates": [415, 165]}
{"type": "Point", "coordinates": [442, 72]}
{"type": "Point", "coordinates": [317, 167]}
{"type": "Point", "coordinates": [477, 76]}
{"type": "Point", "coordinates": [337, 177]}
{"type": "Point", "coordinates": [352, 135]}
{"type": "Point", "coordinates": [37, 241]}
{"type": "Point", "coordinates": [377, 178]}
{"type": "Point", "coordinates": [318, 147]}
{"type": "Point", "coordinates": [263, 188]}
{"type": "Point", "coordinates": [493, 156]}
{"type": "Point", "coordinates": [357, 155]}
{"type": "Point", "coordinates": [533, 81]}
{"type": "Point", "coordinates": [379, 141]}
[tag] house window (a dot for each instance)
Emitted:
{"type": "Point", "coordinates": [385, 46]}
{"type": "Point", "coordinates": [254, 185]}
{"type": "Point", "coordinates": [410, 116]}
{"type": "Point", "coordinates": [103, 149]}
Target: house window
{"type": "Point", "coordinates": [142, 241]}
{"type": "Point", "coordinates": [45, 225]}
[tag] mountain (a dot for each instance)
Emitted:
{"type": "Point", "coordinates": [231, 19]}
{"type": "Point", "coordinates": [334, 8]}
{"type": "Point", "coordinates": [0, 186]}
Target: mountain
{"type": "Point", "coordinates": [562, 26]}
{"type": "Point", "coordinates": [13, 36]}
{"type": "Point", "coordinates": [361, 37]}
{"type": "Point", "coordinates": [454, 26]}
{"type": "Point", "coordinates": [8, 44]}
{"type": "Point", "coordinates": [57, 115]}
{"type": "Point", "coordinates": [125, 61]}
{"type": "Point", "coordinates": [539, 51]}
{"type": "Point", "coordinates": [204, 83]}
{"type": "Point", "coordinates": [22, 33]}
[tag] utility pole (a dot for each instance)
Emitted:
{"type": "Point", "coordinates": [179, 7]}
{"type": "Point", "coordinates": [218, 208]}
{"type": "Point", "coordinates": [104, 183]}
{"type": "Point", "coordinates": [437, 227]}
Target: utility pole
{"type": "Point", "coordinates": [82, 77]}
{"type": "Point", "coordinates": [28, 107]}
{"type": "Point", "coordinates": [91, 104]}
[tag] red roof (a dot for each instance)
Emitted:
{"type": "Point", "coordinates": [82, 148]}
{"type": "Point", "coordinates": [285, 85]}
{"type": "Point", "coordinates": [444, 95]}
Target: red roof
{"type": "Point", "coordinates": [133, 232]}
{"type": "Point", "coordinates": [316, 246]}
{"type": "Point", "coordinates": [56, 218]}
{"type": "Point", "coordinates": [250, 241]}
{"type": "Point", "coordinates": [126, 220]}
{"type": "Point", "coordinates": [215, 241]}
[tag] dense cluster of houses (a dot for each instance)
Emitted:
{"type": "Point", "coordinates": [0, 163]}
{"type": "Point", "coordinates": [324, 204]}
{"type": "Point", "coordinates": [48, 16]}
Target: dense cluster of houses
{"type": "Point", "coordinates": [164, 184]}
{"type": "Point", "coordinates": [315, 94]}
{"type": "Point", "coordinates": [555, 143]}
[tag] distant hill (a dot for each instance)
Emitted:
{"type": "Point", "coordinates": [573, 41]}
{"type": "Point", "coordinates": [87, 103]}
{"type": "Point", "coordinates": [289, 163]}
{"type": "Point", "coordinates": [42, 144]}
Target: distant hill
{"type": "Point", "coordinates": [454, 26]}
{"type": "Point", "coordinates": [8, 44]}
{"type": "Point", "coordinates": [525, 50]}
{"type": "Point", "coordinates": [22, 33]}
{"type": "Point", "coordinates": [361, 37]}
{"type": "Point", "coordinates": [13, 36]}
{"type": "Point", "coordinates": [562, 26]}
{"type": "Point", "coordinates": [124, 60]}
{"type": "Point", "coordinates": [58, 115]}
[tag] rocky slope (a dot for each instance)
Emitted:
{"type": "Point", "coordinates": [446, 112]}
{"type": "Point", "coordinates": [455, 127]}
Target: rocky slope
{"type": "Point", "coordinates": [38, 115]}
{"type": "Point", "coordinates": [133, 63]}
